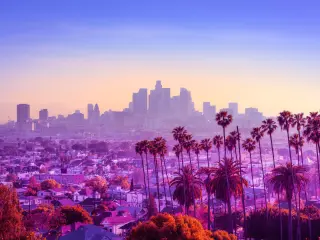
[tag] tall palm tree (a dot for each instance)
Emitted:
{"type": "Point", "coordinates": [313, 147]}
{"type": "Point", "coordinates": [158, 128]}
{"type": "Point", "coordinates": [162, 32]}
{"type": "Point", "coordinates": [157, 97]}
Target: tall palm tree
{"type": "Point", "coordinates": [312, 134]}
{"type": "Point", "coordinates": [139, 151]}
{"type": "Point", "coordinates": [218, 142]}
{"type": "Point", "coordinates": [285, 120]}
{"type": "Point", "coordinates": [236, 137]}
{"type": "Point", "coordinates": [153, 149]}
{"type": "Point", "coordinates": [188, 146]}
{"type": "Point", "coordinates": [269, 126]}
{"type": "Point", "coordinates": [227, 181]}
{"type": "Point", "coordinates": [257, 134]}
{"type": "Point", "coordinates": [177, 150]}
{"type": "Point", "coordinates": [197, 149]}
{"type": "Point", "coordinates": [161, 147]}
{"type": "Point", "coordinates": [285, 179]}
{"type": "Point", "coordinates": [163, 152]}
{"type": "Point", "coordinates": [249, 145]}
{"type": "Point", "coordinates": [144, 147]}
{"type": "Point", "coordinates": [230, 145]}
{"type": "Point", "coordinates": [297, 143]}
{"type": "Point", "coordinates": [186, 182]}
{"type": "Point", "coordinates": [207, 171]}
{"type": "Point", "coordinates": [224, 119]}
{"type": "Point", "coordinates": [179, 134]}
{"type": "Point", "coordinates": [299, 122]}
{"type": "Point", "coordinates": [206, 145]}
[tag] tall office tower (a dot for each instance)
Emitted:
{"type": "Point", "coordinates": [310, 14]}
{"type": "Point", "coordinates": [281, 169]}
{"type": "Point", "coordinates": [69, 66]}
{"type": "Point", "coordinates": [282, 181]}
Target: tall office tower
{"type": "Point", "coordinates": [23, 117]}
{"type": "Point", "coordinates": [209, 112]}
{"type": "Point", "coordinates": [234, 108]}
{"type": "Point", "coordinates": [90, 112]}
{"type": "Point", "coordinates": [43, 114]}
{"type": "Point", "coordinates": [96, 111]}
{"type": "Point", "coordinates": [159, 100]}
{"type": "Point", "coordinates": [186, 104]}
{"type": "Point", "coordinates": [23, 113]}
{"type": "Point", "coordinates": [140, 101]}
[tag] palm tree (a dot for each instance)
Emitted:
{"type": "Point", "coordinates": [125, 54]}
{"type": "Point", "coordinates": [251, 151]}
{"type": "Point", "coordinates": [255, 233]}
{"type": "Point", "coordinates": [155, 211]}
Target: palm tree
{"type": "Point", "coordinates": [186, 182]}
{"type": "Point", "coordinates": [224, 119]}
{"type": "Point", "coordinates": [299, 121]}
{"type": "Point", "coordinates": [139, 150]}
{"type": "Point", "coordinates": [206, 145]}
{"type": "Point", "coordinates": [249, 145]}
{"type": "Point", "coordinates": [257, 134]}
{"type": "Point", "coordinates": [179, 134]}
{"type": "Point", "coordinates": [297, 143]}
{"type": "Point", "coordinates": [188, 146]}
{"type": "Point", "coordinates": [312, 134]}
{"type": "Point", "coordinates": [177, 150]}
{"type": "Point", "coordinates": [227, 174]}
{"type": "Point", "coordinates": [230, 145]}
{"type": "Point", "coordinates": [286, 179]}
{"type": "Point", "coordinates": [153, 149]}
{"type": "Point", "coordinates": [207, 171]}
{"type": "Point", "coordinates": [236, 137]}
{"type": "Point", "coordinates": [163, 152]}
{"type": "Point", "coordinates": [218, 142]}
{"type": "Point", "coordinates": [145, 148]}
{"type": "Point", "coordinates": [285, 120]}
{"type": "Point", "coordinates": [197, 149]}
{"type": "Point", "coordinates": [269, 126]}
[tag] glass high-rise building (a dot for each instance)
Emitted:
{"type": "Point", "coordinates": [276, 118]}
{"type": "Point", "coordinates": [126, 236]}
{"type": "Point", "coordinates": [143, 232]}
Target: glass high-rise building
{"type": "Point", "coordinates": [23, 113]}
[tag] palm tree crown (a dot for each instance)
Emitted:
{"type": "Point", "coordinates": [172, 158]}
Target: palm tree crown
{"type": "Point", "coordinates": [269, 126]}
{"type": "Point", "coordinates": [223, 118]}
{"type": "Point", "coordinates": [218, 141]}
{"type": "Point", "coordinates": [257, 133]}
{"type": "Point", "coordinates": [249, 145]}
{"type": "Point", "coordinates": [296, 142]}
{"type": "Point", "coordinates": [285, 120]}
{"type": "Point", "coordinates": [298, 121]}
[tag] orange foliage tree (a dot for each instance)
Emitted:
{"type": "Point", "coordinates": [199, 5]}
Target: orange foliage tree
{"type": "Point", "coordinates": [170, 227]}
{"type": "Point", "coordinates": [50, 184]}
{"type": "Point", "coordinates": [11, 226]}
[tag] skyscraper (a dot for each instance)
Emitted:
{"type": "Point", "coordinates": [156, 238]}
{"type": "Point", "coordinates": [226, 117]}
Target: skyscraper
{"type": "Point", "coordinates": [186, 104]}
{"type": "Point", "coordinates": [209, 111]}
{"type": "Point", "coordinates": [23, 113]}
{"type": "Point", "coordinates": [43, 114]}
{"type": "Point", "coordinates": [23, 117]}
{"type": "Point", "coordinates": [140, 101]}
{"type": "Point", "coordinates": [90, 112]}
{"type": "Point", "coordinates": [96, 112]}
{"type": "Point", "coordinates": [234, 109]}
{"type": "Point", "coordinates": [159, 100]}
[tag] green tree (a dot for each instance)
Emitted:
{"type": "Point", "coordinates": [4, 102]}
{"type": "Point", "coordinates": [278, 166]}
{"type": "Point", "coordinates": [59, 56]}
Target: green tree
{"type": "Point", "coordinates": [49, 184]}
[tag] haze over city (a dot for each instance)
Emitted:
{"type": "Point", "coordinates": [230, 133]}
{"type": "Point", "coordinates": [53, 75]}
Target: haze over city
{"type": "Point", "coordinates": [62, 55]}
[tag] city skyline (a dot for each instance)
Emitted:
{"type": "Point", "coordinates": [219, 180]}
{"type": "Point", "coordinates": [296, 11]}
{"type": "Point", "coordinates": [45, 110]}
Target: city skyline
{"type": "Point", "coordinates": [266, 55]}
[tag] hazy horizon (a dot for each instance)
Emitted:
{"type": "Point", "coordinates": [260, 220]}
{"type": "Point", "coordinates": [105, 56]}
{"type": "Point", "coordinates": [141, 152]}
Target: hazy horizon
{"type": "Point", "coordinates": [62, 56]}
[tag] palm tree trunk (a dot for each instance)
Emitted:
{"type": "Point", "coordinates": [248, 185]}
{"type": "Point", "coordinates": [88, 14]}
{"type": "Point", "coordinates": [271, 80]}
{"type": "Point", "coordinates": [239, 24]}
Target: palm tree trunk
{"type": "Point", "coordinates": [263, 178]}
{"type": "Point", "coordinates": [290, 220]}
{"type": "Point", "coordinates": [299, 207]}
{"type": "Point", "coordinates": [179, 168]}
{"type": "Point", "coordinates": [208, 158]}
{"type": "Point", "coordinates": [243, 193]}
{"type": "Point", "coordinates": [165, 167]}
{"type": "Point", "coordinates": [228, 185]}
{"type": "Point", "coordinates": [294, 190]}
{"type": "Point", "coordinates": [318, 164]}
{"type": "Point", "coordinates": [219, 155]}
{"type": "Point", "coordinates": [184, 183]}
{"type": "Point", "coordinates": [231, 154]}
{"type": "Point", "coordinates": [278, 195]}
{"type": "Point", "coordinates": [209, 203]}
{"type": "Point", "coordinates": [144, 177]}
{"type": "Point", "coordinates": [148, 181]}
{"type": "Point", "coordinates": [254, 193]}
{"type": "Point", "coordinates": [194, 200]}
{"type": "Point", "coordinates": [164, 185]}
{"type": "Point", "coordinates": [198, 161]}
{"type": "Point", "coordinates": [157, 181]}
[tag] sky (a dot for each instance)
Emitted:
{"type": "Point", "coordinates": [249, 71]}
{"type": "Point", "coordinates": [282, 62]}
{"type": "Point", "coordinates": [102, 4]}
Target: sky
{"type": "Point", "coordinates": [62, 55]}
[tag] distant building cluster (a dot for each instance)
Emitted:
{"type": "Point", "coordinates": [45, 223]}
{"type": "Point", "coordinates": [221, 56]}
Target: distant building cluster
{"type": "Point", "coordinates": [148, 111]}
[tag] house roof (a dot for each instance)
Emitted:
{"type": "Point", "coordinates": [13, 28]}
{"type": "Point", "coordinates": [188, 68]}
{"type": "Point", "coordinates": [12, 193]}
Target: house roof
{"type": "Point", "coordinates": [89, 232]}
